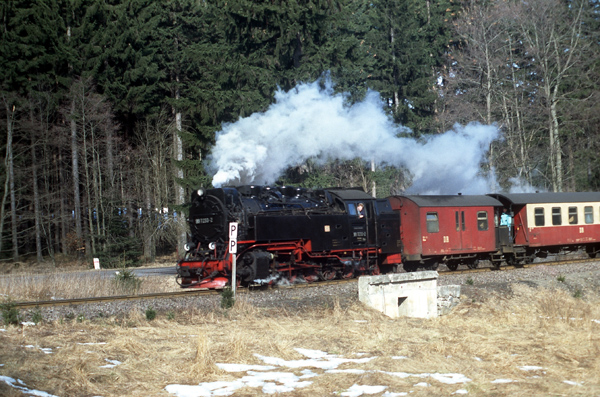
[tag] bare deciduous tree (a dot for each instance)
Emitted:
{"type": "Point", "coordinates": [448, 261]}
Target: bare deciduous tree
{"type": "Point", "coordinates": [552, 34]}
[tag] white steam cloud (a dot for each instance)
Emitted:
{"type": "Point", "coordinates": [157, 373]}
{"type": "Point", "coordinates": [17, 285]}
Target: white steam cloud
{"type": "Point", "coordinates": [310, 121]}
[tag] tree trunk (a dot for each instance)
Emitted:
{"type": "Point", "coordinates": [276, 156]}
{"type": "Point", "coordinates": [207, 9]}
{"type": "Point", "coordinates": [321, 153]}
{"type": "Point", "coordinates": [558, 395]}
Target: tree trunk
{"type": "Point", "coordinates": [76, 192]}
{"type": "Point", "coordinates": [36, 202]}
{"type": "Point", "coordinates": [4, 197]}
{"type": "Point", "coordinates": [11, 177]}
{"type": "Point", "coordinates": [7, 180]}
{"type": "Point", "coordinates": [64, 226]}
{"type": "Point", "coordinates": [557, 147]}
{"type": "Point", "coordinates": [149, 252]}
{"type": "Point", "coordinates": [90, 242]}
{"type": "Point", "coordinates": [179, 191]}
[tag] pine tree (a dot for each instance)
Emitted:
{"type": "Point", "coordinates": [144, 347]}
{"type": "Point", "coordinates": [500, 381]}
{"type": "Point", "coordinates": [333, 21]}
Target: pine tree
{"type": "Point", "coordinates": [409, 40]}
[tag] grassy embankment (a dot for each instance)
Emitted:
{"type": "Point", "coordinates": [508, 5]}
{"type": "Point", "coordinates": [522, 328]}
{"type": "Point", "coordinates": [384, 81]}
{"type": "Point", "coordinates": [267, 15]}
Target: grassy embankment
{"type": "Point", "coordinates": [528, 345]}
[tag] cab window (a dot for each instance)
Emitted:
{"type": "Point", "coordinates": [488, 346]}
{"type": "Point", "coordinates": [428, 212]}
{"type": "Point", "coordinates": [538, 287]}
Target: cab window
{"type": "Point", "coordinates": [351, 209]}
{"type": "Point", "coordinates": [482, 221]}
{"type": "Point", "coordinates": [433, 225]}
{"type": "Point", "coordinates": [358, 210]}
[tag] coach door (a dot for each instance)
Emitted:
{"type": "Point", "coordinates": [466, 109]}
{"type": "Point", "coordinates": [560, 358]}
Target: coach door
{"type": "Point", "coordinates": [467, 223]}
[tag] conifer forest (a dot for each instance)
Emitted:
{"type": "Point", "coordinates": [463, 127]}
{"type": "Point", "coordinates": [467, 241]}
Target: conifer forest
{"type": "Point", "coordinates": [110, 108]}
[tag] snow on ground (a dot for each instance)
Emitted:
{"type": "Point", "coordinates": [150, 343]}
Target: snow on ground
{"type": "Point", "coordinates": [273, 378]}
{"type": "Point", "coordinates": [20, 385]}
{"type": "Point", "coordinates": [274, 382]}
{"type": "Point", "coordinates": [111, 363]}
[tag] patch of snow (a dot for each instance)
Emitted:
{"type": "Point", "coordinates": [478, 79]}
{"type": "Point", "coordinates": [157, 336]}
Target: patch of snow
{"type": "Point", "coordinates": [284, 382]}
{"type": "Point", "coordinates": [530, 368]}
{"type": "Point", "coordinates": [358, 390]}
{"type": "Point", "coordinates": [461, 391]}
{"type": "Point", "coordinates": [307, 373]}
{"type": "Point", "coordinates": [422, 384]}
{"type": "Point", "coordinates": [113, 363]}
{"type": "Point", "coordinates": [288, 381]}
{"type": "Point", "coordinates": [399, 358]}
{"type": "Point", "coordinates": [570, 382]}
{"type": "Point", "coordinates": [271, 382]}
{"type": "Point", "coordinates": [312, 353]}
{"type": "Point", "coordinates": [450, 379]}
{"type": "Point", "coordinates": [23, 387]}
{"type": "Point", "coordinates": [320, 360]}
{"type": "Point", "coordinates": [503, 381]}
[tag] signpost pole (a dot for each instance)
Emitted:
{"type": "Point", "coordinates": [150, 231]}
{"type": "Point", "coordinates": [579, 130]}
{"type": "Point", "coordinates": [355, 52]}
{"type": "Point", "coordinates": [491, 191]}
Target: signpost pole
{"type": "Point", "coordinates": [233, 231]}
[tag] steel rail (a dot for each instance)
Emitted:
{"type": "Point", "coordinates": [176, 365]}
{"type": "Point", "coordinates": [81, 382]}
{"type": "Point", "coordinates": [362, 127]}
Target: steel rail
{"type": "Point", "coordinates": [79, 301]}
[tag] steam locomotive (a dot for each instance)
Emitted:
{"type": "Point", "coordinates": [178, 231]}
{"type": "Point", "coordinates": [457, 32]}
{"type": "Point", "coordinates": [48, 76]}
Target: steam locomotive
{"type": "Point", "coordinates": [291, 234]}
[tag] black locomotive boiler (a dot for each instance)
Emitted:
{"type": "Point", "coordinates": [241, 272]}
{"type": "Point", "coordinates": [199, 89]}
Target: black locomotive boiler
{"type": "Point", "coordinates": [287, 234]}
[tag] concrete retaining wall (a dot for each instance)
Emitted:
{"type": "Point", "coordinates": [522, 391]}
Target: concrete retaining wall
{"type": "Point", "coordinates": [414, 294]}
{"type": "Point", "coordinates": [401, 294]}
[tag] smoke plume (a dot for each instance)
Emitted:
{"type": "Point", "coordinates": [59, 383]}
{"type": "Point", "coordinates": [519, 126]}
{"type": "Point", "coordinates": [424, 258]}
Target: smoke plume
{"type": "Point", "coordinates": [310, 121]}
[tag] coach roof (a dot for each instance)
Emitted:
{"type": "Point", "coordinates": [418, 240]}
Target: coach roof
{"type": "Point", "coordinates": [453, 201]}
{"type": "Point", "coordinates": [540, 198]}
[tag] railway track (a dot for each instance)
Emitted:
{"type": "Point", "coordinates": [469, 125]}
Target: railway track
{"type": "Point", "coordinates": [195, 292]}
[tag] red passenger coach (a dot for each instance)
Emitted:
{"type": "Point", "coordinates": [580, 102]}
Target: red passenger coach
{"type": "Point", "coordinates": [451, 230]}
{"type": "Point", "coordinates": [553, 222]}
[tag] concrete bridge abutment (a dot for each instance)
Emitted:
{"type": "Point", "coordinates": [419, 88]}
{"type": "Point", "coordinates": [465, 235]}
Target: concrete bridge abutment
{"type": "Point", "coordinates": [413, 294]}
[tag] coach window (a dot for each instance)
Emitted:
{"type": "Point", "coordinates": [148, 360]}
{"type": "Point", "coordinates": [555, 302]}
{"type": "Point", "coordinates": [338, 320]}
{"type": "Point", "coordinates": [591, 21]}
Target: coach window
{"type": "Point", "coordinates": [433, 225]}
{"type": "Point", "coordinates": [572, 215]}
{"type": "Point", "coordinates": [457, 221]}
{"type": "Point", "coordinates": [539, 216]}
{"type": "Point", "coordinates": [482, 221]}
{"type": "Point", "coordinates": [588, 214]}
{"type": "Point", "coordinates": [556, 216]}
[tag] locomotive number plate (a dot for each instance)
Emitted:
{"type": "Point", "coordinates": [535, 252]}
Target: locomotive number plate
{"type": "Point", "coordinates": [204, 220]}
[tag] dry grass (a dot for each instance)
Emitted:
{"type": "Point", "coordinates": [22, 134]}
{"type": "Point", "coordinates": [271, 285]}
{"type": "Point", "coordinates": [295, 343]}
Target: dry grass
{"type": "Point", "coordinates": [484, 341]}
{"type": "Point", "coordinates": [70, 285]}
{"type": "Point", "coordinates": [29, 281]}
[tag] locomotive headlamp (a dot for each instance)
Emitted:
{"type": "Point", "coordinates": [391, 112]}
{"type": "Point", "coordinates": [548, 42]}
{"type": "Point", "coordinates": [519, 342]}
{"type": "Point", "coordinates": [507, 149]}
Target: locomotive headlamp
{"type": "Point", "coordinates": [187, 246]}
{"type": "Point", "coordinates": [200, 192]}
{"type": "Point", "coordinates": [212, 245]}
